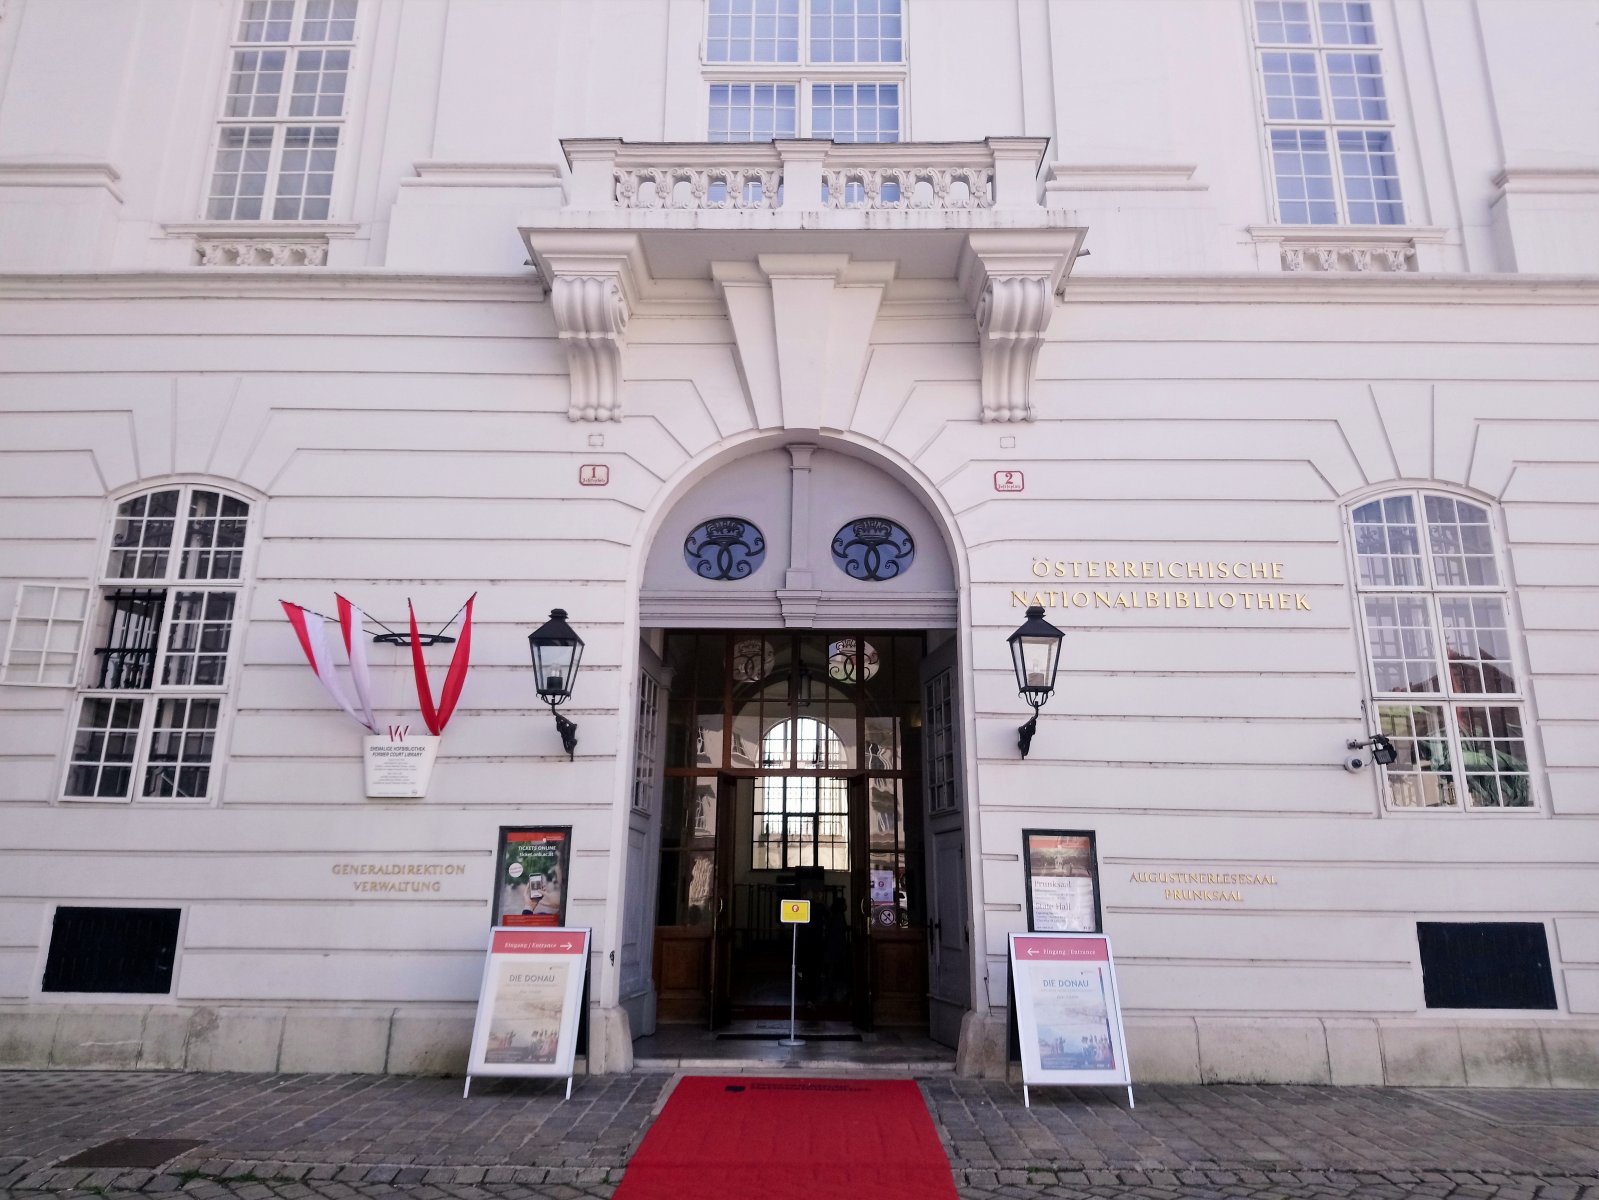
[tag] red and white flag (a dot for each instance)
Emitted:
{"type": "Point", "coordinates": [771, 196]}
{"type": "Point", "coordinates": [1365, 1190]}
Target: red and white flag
{"type": "Point", "coordinates": [437, 718]}
{"type": "Point", "coordinates": [310, 628]}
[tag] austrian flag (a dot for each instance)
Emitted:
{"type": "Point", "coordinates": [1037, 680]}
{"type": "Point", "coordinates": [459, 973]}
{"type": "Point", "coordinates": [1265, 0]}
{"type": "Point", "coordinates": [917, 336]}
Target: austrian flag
{"type": "Point", "coordinates": [310, 628]}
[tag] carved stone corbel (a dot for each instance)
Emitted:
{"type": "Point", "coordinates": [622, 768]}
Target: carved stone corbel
{"type": "Point", "coordinates": [593, 281]}
{"type": "Point", "coordinates": [591, 314]}
{"type": "Point", "coordinates": [1012, 314]}
{"type": "Point", "coordinates": [1011, 279]}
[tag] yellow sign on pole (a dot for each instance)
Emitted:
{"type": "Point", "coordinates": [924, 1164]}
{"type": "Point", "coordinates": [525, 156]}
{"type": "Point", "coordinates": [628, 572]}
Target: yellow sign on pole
{"type": "Point", "coordinates": [796, 912]}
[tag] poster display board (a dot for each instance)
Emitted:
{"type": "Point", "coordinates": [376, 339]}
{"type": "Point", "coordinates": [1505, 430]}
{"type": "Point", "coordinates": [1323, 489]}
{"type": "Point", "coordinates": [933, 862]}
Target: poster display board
{"type": "Point", "coordinates": [1062, 869]}
{"type": "Point", "coordinates": [1068, 1013]}
{"type": "Point", "coordinates": [530, 875]}
{"type": "Point", "coordinates": [530, 1004]}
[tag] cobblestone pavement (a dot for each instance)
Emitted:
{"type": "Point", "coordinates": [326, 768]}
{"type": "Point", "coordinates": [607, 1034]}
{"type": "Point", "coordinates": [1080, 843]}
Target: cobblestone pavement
{"type": "Point", "coordinates": [299, 1137]}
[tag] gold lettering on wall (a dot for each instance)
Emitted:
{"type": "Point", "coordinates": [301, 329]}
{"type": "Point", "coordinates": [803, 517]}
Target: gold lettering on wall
{"type": "Point", "coordinates": [1224, 885]}
{"type": "Point", "coordinates": [397, 878]}
{"type": "Point", "coordinates": [1248, 591]}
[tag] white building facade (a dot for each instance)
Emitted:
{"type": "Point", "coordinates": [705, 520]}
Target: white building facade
{"type": "Point", "coordinates": [795, 348]}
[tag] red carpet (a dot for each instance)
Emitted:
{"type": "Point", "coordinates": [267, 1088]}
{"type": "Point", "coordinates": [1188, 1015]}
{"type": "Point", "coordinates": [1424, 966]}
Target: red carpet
{"type": "Point", "coordinates": [744, 1138]}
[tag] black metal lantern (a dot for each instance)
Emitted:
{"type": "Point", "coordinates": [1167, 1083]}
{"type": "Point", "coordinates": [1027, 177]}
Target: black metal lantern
{"type": "Point", "coordinates": [1035, 653]}
{"type": "Point", "coordinates": [557, 651]}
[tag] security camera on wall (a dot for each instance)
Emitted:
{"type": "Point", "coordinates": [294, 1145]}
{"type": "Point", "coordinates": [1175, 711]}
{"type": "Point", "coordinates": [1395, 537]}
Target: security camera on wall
{"type": "Point", "coordinates": [1354, 762]}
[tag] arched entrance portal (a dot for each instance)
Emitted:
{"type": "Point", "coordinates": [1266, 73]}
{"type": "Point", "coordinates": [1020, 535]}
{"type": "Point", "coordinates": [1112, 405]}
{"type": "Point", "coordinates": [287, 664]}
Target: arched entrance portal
{"type": "Point", "coordinates": [798, 616]}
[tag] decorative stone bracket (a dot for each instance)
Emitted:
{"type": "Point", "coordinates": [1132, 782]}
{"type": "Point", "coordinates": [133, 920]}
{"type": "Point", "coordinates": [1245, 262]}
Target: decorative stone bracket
{"type": "Point", "coordinates": [1011, 279]}
{"type": "Point", "coordinates": [1317, 249]}
{"type": "Point", "coordinates": [594, 287]}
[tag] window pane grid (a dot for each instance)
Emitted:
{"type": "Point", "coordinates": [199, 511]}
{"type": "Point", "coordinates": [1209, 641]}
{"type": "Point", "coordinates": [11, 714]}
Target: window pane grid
{"type": "Point", "coordinates": [104, 747]}
{"type": "Point", "coordinates": [142, 536]}
{"type": "Point", "coordinates": [753, 112]}
{"type": "Point", "coordinates": [305, 173]}
{"type": "Point", "coordinates": [238, 185]}
{"type": "Point", "coordinates": [159, 638]}
{"type": "Point", "coordinates": [855, 112]}
{"type": "Point", "coordinates": [1433, 641]}
{"type": "Point", "coordinates": [1306, 190]}
{"type": "Point", "coordinates": [855, 31]}
{"type": "Point", "coordinates": [290, 164]}
{"type": "Point", "coordinates": [266, 20]}
{"type": "Point", "coordinates": [801, 33]}
{"type": "Point", "coordinates": [1371, 176]}
{"type": "Point", "coordinates": [1493, 753]}
{"type": "Point", "coordinates": [1322, 79]}
{"type": "Point", "coordinates": [319, 81]}
{"type": "Point", "coordinates": [213, 546]}
{"type": "Point", "coordinates": [255, 83]}
{"type": "Point", "coordinates": [197, 639]}
{"type": "Point", "coordinates": [752, 31]}
{"type": "Point", "coordinates": [181, 745]}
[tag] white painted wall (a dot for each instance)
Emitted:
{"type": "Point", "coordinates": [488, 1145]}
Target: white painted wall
{"type": "Point", "coordinates": [400, 419]}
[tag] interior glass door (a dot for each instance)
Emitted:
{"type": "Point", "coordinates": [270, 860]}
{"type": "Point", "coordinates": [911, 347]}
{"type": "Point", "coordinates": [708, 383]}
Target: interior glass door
{"type": "Point", "coordinates": [795, 752]}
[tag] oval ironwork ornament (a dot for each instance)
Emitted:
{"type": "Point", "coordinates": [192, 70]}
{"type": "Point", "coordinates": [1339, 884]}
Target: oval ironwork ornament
{"type": "Point", "coordinates": [873, 549]}
{"type": "Point", "coordinates": [724, 548]}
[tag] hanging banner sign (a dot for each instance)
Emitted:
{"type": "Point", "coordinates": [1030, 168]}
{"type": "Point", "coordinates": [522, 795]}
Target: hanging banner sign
{"type": "Point", "coordinates": [530, 1004]}
{"type": "Point", "coordinates": [1068, 1013]}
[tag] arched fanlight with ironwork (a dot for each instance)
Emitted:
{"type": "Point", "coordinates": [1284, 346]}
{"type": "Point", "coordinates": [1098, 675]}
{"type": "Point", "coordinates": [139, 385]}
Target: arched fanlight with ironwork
{"type": "Point", "coordinates": [1035, 654]}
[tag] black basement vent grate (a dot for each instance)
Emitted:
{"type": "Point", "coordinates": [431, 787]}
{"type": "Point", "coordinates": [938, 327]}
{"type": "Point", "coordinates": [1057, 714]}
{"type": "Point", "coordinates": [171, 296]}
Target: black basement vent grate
{"type": "Point", "coordinates": [131, 1152]}
{"type": "Point", "coordinates": [112, 950]}
{"type": "Point", "coordinates": [1490, 964]}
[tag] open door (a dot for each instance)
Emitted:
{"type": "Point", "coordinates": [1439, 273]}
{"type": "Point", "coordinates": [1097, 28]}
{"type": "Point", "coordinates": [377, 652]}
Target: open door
{"type": "Point", "coordinates": [948, 917]}
{"type": "Point", "coordinates": [860, 912]}
{"type": "Point", "coordinates": [722, 918]}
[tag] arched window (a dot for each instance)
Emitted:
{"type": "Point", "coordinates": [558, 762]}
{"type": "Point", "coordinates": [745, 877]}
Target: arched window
{"type": "Point", "coordinates": [153, 688]}
{"type": "Point", "coordinates": [801, 820]}
{"type": "Point", "coordinates": [1435, 615]}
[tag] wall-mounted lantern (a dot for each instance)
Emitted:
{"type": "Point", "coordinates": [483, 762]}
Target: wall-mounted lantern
{"type": "Point", "coordinates": [1035, 653]}
{"type": "Point", "coordinates": [557, 651]}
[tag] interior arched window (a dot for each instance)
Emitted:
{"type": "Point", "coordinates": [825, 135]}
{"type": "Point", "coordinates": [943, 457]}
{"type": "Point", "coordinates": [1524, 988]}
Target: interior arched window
{"type": "Point", "coordinates": [1435, 615]}
{"type": "Point", "coordinates": [801, 820]}
{"type": "Point", "coordinates": [153, 688]}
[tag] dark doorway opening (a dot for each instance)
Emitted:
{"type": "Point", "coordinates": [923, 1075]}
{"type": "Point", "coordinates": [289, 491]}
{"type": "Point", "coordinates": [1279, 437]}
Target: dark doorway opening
{"type": "Point", "coordinates": [793, 771]}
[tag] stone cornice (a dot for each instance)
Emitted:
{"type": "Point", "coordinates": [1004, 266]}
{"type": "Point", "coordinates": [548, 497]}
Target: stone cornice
{"type": "Point", "coordinates": [248, 283]}
{"type": "Point", "coordinates": [700, 298]}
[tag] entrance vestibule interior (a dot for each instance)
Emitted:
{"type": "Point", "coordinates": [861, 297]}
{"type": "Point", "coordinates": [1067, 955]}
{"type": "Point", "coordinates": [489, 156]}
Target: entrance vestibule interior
{"type": "Point", "coordinates": [793, 770]}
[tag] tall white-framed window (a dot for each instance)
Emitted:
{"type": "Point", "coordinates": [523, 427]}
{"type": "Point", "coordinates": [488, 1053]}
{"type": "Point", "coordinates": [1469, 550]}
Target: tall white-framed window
{"type": "Point", "coordinates": [1438, 631]}
{"type": "Point", "coordinates": [282, 122]}
{"type": "Point", "coordinates": [805, 68]}
{"type": "Point", "coordinates": [1328, 120]}
{"type": "Point", "coordinates": [163, 643]}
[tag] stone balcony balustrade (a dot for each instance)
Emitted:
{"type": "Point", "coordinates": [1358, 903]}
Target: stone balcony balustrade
{"type": "Point", "coordinates": [798, 242]}
{"type": "Point", "coordinates": [786, 178]}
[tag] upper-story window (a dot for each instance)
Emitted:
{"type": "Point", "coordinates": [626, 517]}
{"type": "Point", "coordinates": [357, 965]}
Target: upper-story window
{"type": "Point", "coordinates": [805, 68]}
{"type": "Point", "coordinates": [152, 696]}
{"type": "Point", "coordinates": [1329, 126]}
{"type": "Point", "coordinates": [1437, 623]}
{"type": "Point", "coordinates": [283, 115]}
